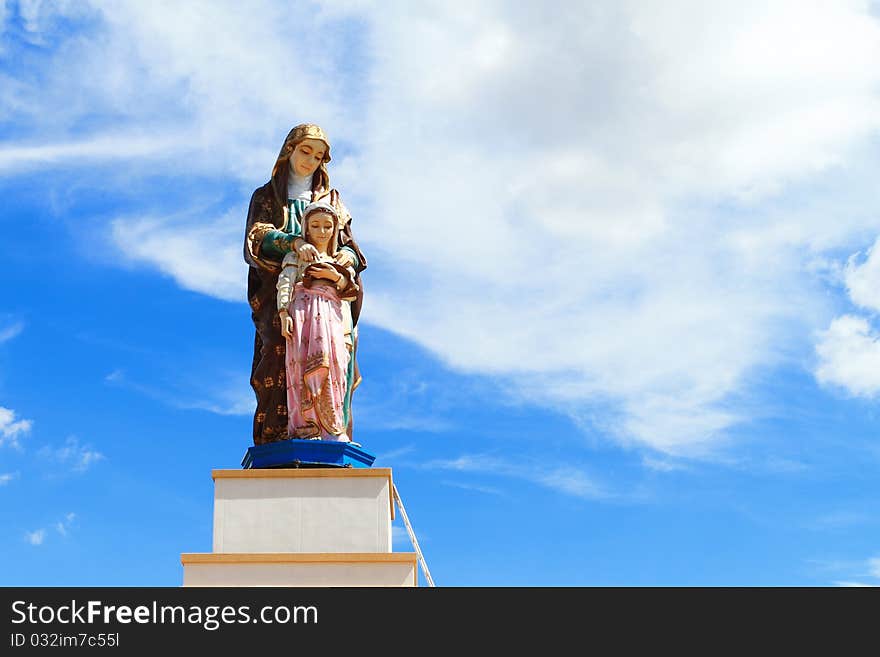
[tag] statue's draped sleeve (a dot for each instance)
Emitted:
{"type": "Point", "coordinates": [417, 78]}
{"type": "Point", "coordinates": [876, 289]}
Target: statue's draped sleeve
{"type": "Point", "coordinates": [263, 221]}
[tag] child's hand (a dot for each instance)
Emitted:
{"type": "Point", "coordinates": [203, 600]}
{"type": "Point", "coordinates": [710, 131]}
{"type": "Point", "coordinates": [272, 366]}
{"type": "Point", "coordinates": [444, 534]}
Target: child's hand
{"type": "Point", "coordinates": [323, 270]}
{"type": "Point", "coordinates": [286, 325]}
{"type": "Point", "coordinates": [307, 252]}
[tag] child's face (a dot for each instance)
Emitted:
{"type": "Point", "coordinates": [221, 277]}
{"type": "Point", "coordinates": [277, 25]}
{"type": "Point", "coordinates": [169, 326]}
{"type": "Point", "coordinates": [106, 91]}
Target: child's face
{"type": "Point", "coordinates": [307, 156]}
{"type": "Point", "coordinates": [319, 228]}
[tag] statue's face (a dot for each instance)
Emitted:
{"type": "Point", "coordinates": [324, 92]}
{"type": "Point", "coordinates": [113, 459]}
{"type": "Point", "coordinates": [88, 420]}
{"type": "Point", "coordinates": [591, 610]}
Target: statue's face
{"type": "Point", "coordinates": [307, 156]}
{"type": "Point", "coordinates": [319, 228]}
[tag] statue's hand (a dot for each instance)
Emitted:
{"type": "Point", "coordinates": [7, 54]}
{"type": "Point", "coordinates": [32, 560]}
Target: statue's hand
{"type": "Point", "coordinates": [323, 270]}
{"type": "Point", "coordinates": [286, 325]}
{"type": "Point", "coordinates": [345, 258]}
{"type": "Point", "coordinates": [307, 252]}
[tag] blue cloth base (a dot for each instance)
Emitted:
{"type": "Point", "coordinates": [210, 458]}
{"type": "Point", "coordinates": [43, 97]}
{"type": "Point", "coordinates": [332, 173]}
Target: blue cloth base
{"type": "Point", "coordinates": [306, 454]}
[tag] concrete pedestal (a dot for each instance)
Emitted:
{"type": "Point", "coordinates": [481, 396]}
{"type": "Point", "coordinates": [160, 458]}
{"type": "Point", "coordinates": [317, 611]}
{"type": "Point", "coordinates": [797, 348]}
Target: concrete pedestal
{"type": "Point", "coordinates": [291, 569]}
{"type": "Point", "coordinates": [302, 527]}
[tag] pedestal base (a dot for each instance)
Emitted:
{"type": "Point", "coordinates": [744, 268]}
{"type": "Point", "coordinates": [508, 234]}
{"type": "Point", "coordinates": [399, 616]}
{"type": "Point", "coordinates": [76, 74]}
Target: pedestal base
{"type": "Point", "coordinates": [306, 454]}
{"type": "Point", "coordinates": [303, 510]}
{"type": "Point", "coordinates": [302, 527]}
{"type": "Point", "coordinates": [287, 569]}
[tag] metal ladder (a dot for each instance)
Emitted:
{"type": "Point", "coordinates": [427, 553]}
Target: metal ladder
{"type": "Point", "coordinates": [412, 536]}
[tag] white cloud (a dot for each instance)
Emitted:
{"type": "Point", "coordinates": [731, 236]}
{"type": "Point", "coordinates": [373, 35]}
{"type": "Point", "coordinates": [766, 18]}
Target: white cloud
{"type": "Point", "coordinates": [11, 428]}
{"type": "Point", "coordinates": [16, 158]}
{"type": "Point", "coordinates": [236, 400]}
{"type": "Point", "coordinates": [410, 401]}
{"type": "Point", "coordinates": [11, 331]}
{"type": "Point", "coordinates": [73, 455]}
{"type": "Point", "coordinates": [593, 204]}
{"type": "Point", "coordinates": [402, 422]}
{"type": "Point", "coordinates": [396, 453]}
{"type": "Point", "coordinates": [863, 279]}
{"type": "Point", "coordinates": [563, 479]}
{"type": "Point", "coordinates": [204, 256]}
{"type": "Point", "coordinates": [36, 537]}
{"type": "Point", "coordinates": [851, 584]}
{"type": "Point", "coordinates": [849, 356]}
{"type": "Point", "coordinates": [570, 196]}
{"type": "Point", "coordinates": [841, 519]}
{"type": "Point", "coordinates": [636, 300]}
{"type": "Point", "coordinates": [227, 394]}
{"type": "Point", "coordinates": [783, 466]}
{"type": "Point", "coordinates": [161, 88]}
{"type": "Point", "coordinates": [569, 480]}
{"type": "Point", "coordinates": [662, 465]}
{"type": "Point", "coordinates": [64, 525]}
{"type": "Point", "coordinates": [39, 15]}
{"type": "Point", "coordinates": [488, 490]}
{"type": "Point", "coordinates": [4, 11]}
{"type": "Point", "coordinates": [861, 570]}
{"type": "Point", "coordinates": [849, 350]}
{"type": "Point", "coordinates": [7, 477]}
{"type": "Point", "coordinates": [116, 376]}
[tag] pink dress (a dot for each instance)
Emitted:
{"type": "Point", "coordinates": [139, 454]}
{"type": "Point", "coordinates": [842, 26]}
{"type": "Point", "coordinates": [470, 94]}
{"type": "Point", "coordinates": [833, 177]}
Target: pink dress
{"type": "Point", "coordinates": [317, 361]}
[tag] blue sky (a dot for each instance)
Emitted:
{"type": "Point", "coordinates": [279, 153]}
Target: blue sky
{"type": "Point", "coordinates": [621, 316]}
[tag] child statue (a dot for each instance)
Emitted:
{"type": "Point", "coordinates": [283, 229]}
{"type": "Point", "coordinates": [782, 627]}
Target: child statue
{"type": "Point", "coordinates": [313, 301]}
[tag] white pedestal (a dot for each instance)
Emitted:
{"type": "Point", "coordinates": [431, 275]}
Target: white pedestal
{"type": "Point", "coordinates": [302, 527]}
{"type": "Point", "coordinates": [292, 569]}
{"type": "Point", "coordinates": [303, 510]}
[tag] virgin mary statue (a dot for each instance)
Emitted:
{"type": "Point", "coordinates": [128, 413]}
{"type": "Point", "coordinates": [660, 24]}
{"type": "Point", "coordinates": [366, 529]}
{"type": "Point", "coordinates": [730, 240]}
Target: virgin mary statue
{"type": "Point", "coordinates": [274, 229]}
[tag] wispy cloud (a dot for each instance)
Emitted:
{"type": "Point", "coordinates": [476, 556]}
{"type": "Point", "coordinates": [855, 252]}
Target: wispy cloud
{"type": "Point", "coordinates": [64, 525]}
{"type": "Point", "coordinates": [7, 477]}
{"type": "Point", "coordinates": [116, 376]}
{"type": "Point", "coordinates": [662, 464]}
{"type": "Point", "coordinates": [199, 256]}
{"type": "Point", "coordinates": [234, 398]}
{"type": "Point", "coordinates": [840, 520]}
{"type": "Point", "coordinates": [564, 479]}
{"type": "Point", "coordinates": [779, 465]}
{"type": "Point", "coordinates": [377, 420]}
{"type": "Point", "coordinates": [852, 573]}
{"type": "Point", "coordinates": [243, 404]}
{"type": "Point", "coordinates": [11, 428]}
{"type": "Point", "coordinates": [11, 331]}
{"type": "Point", "coordinates": [410, 401]}
{"type": "Point", "coordinates": [99, 148]}
{"type": "Point", "coordinates": [135, 60]}
{"type": "Point", "coordinates": [489, 490]}
{"type": "Point", "coordinates": [850, 584]}
{"type": "Point", "coordinates": [75, 457]}
{"type": "Point", "coordinates": [396, 453]}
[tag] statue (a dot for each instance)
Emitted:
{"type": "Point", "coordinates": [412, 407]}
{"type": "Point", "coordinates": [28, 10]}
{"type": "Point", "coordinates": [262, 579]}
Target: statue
{"type": "Point", "coordinates": [317, 325]}
{"type": "Point", "coordinates": [274, 230]}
